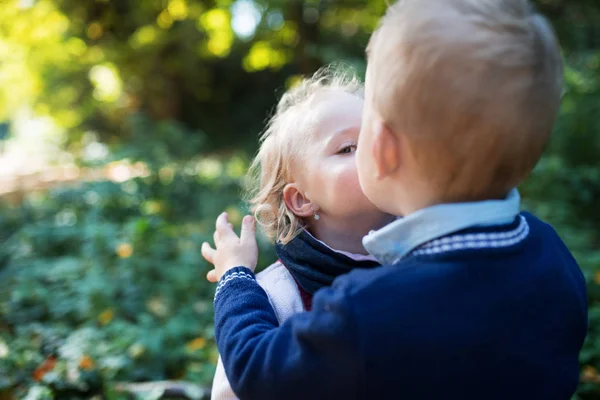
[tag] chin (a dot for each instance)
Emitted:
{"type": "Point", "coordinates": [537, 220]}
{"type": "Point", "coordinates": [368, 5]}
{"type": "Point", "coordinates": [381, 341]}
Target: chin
{"type": "Point", "coordinates": [374, 198]}
{"type": "Point", "coordinates": [391, 210]}
{"type": "Point", "coordinates": [387, 207]}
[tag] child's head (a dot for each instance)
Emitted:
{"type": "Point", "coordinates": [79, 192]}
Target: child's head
{"type": "Point", "coordinates": [460, 99]}
{"type": "Point", "coordinates": [307, 164]}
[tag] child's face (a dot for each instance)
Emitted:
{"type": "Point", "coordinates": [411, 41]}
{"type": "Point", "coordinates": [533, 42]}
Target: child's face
{"type": "Point", "coordinates": [329, 175]}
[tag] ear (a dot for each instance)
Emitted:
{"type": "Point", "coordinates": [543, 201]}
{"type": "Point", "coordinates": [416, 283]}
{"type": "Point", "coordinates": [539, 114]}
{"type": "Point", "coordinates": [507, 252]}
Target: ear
{"type": "Point", "coordinates": [296, 201]}
{"type": "Point", "coordinates": [385, 151]}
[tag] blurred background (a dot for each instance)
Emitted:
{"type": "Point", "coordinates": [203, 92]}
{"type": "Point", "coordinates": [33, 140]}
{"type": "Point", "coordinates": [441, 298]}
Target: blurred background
{"type": "Point", "coordinates": [126, 126]}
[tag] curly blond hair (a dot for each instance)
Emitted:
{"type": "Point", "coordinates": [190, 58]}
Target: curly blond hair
{"type": "Point", "coordinates": [282, 143]}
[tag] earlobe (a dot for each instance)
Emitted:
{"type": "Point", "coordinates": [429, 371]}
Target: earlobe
{"type": "Point", "coordinates": [296, 201]}
{"type": "Point", "coordinates": [385, 151]}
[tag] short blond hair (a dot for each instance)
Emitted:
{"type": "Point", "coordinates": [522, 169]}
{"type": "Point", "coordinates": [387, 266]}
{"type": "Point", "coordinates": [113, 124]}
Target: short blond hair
{"type": "Point", "coordinates": [473, 85]}
{"type": "Point", "coordinates": [283, 142]}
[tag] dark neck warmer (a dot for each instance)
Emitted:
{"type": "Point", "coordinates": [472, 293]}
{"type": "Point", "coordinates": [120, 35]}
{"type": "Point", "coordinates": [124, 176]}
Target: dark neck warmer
{"type": "Point", "coordinates": [313, 265]}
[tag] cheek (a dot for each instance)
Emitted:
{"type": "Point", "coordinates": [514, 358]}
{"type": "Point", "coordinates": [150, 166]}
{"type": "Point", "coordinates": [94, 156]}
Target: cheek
{"type": "Point", "coordinates": [363, 153]}
{"type": "Point", "coordinates": [361, 165]}
{"type": "Point", "coordinates": [349, 177]}
{"type": "Point", "coordinates": [366, 173]}
{"type": "Point", "coordinates": [346, 184]}
{"type": "Point", "coordinates": [364, 166]}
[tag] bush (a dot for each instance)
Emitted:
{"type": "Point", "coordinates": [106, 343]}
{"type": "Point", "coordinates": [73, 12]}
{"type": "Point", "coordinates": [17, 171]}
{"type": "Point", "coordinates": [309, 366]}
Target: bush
{"type": "Point", "coordinates": [564, 191]}
{"type": "Point", "coordinates": [105, 283]}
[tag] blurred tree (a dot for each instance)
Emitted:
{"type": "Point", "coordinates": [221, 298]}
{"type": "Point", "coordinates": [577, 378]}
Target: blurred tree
{"type": "Point", "coordinates": [163, 80]}
{"type": "Point", "coordinates": [213, 65]}
{"type": "Point", "coordinates": [216, 66]}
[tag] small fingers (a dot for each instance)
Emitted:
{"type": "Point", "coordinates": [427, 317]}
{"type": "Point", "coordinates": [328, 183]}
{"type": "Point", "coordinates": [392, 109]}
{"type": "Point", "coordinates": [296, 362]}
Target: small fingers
{"type": "Point", "coordinates": [208, 253]}
{"type": "Point", "coordinates": [248, 232]}
{"type": "Point", "coordinates": [212, 276]}
{"type": "Point", "coordinates": [224, 228]}
{"type": "Point", "coordinates": [216, 238]}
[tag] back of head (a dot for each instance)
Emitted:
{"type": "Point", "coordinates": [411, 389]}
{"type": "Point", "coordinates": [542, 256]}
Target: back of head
{"type": "Point", "coordinates": [473, 85]}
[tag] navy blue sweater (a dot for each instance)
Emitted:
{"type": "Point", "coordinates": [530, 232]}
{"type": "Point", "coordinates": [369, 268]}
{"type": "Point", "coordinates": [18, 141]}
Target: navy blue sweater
{"type": "Point", "coordinates": [485, 314]}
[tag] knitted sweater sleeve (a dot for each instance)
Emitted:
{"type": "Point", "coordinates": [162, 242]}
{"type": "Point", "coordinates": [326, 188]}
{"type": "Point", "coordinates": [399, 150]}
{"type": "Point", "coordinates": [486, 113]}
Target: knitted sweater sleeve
{"type": "Point", "coordinates": [311, 355]}
{"type": "Point", "coordinates": [286, 301]}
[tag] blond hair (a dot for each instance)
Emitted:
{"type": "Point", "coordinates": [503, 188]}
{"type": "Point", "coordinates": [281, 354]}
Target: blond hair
{"type": "Point", "coordinates": [283, 143]}
{"type": "Point", "coordinates": [473, 85]}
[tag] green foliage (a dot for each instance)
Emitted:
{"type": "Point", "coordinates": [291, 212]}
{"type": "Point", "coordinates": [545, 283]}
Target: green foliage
{"type": "Point", "coordinates": [564, 188]}
{"type": "Point", "coordinates": [90, 64]}
{"type": "Point", "coordinates": [104, 282]}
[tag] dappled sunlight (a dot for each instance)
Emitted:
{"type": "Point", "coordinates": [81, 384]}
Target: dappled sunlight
{"type": "Point", "coordinates": [76, 47]}
{"type": "Point", "coordinates": [35, 144]}
{"type": "Point", "coordinates": [17, 83]}
{"type": "Point", "coordinates": [24, 44]}
{"type": "Point", "coordinates": [144, 36]}
{"type": "Point", "coordinates": [67, 118]}
{"type": "Point", "coordinates": [178, 9]}
{"type": "Point", "coordinates": [216, 23]}
{"type": "Point", "coordinates": [263, 55]}
{"type": "Point", "coordinates": [107, 83]}
{"type": "Point", "coordinates": [164, 19]}
{"type": "Point", "coordinates": [209, 168]}
{"type": "Point", "coordinates": [127, 127]}
{"type": "Point", "coordinates": [245, 18]}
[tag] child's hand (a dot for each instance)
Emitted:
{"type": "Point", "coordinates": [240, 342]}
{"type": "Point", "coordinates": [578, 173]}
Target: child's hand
{"type": "Point", "coordinates": [231, 251]}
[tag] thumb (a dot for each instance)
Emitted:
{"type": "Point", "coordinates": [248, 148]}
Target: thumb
{"type": "Point", "coordinates": [248, 231]}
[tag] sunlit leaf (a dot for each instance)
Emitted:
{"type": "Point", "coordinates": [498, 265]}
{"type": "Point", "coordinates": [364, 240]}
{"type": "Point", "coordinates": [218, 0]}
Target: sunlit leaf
{"type": "Point", "coordinates": [107, 82]}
